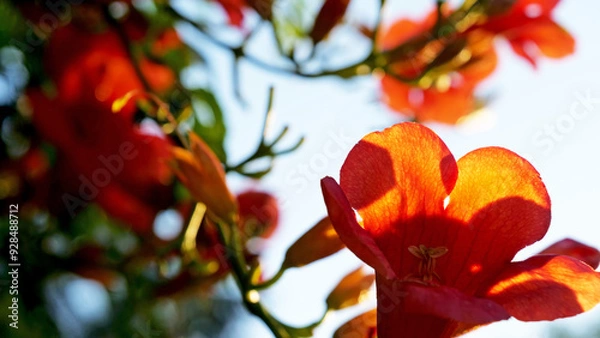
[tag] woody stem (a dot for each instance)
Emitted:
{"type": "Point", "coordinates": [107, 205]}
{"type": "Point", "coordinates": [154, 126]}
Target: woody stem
{"type": "Point", "coordinates": [242, 276]}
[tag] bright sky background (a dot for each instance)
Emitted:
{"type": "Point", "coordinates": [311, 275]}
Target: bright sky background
{"type": "Point", "coordinates": [334, 114]}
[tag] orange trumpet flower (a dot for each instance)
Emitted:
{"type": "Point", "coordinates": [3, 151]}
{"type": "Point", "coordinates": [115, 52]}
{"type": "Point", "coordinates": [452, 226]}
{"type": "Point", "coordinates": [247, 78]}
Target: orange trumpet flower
{"type": "Point", "coordinates": [441, 235]}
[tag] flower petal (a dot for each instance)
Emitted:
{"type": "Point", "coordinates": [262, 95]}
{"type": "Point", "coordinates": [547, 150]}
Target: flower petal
{"type": "Point", "coordinates": [545, 35]}
{"type": "Point", "coordinates": [531, 31]}
{"type": "Point", "coordinates": [356, 238]}
{"type": "Point", "coordinates": [428, 104]}
{"type": "Point", "coordinates": [395, 178]}
{"type": "Point", "coordinates": [446, 302]}
{"type": "Point", "coordinates": [580, 251]}
{"type": "Point", "coordinates": [446, 106]}
{"type": "Point", "coordinates": [520, 14]}
{"type": "Point", "coordinates": [503, 206]}
{"type": "Point", "coordinates": [483, 59]}
{"type": "Point", "coordinates": [400, 31]}
{"type": "Point", "coordinates": [429, 311]}
{"type": "Point", "coordinates": [234, 10]}
{"type": "Point", "coordinates": [546, 288]}
{"type": "Point", "coordinates": [533, 7]}
{"type": "Point", "coordinates": [361, 326]}
{"type": "Point", "coordinates": [201, 172]}
{"type": "Point", "coordinates": [397, 95]}
{"type": "Point", "coordinates": [125, 206]}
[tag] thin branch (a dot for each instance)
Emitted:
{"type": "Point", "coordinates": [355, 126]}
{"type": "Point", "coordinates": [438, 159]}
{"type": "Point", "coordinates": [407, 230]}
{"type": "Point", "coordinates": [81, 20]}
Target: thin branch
{"type": "Point", "coordinates": [265, 149]}
{"type": "Point", "coordinates": [440, 18]}
{"type": "Point", "coordinates": [239, 53]}
{"type": "Point", "coordinates": [240, 271]}
{"type": "Point", "coordinates": [377, 26]}
{"type": "Point", "coordinates": [128, 47]}
{"type": "Point", "coordinates": [270, 282]}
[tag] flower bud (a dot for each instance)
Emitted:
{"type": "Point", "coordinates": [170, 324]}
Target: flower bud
{"type": "Point", "coordinates": [569, 247]}
{"type": "Point", "coordinates": [363, 326]}
{"type": "Point", "coordinates": [259, 214]}
{"type": "Point", "coordinates": [329, 16]}
{"type": "Point", "coordinates": [201, 172]}
{"type": "Point", "coordinates": [350, 290]}
{"type": "Point", "coordinates": [317, 243]}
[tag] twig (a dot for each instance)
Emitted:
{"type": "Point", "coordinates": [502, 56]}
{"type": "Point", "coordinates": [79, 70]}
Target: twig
{"type": "Point", "coordinates": [264, 149]}
{"type": "Point", "coordinates": [240, 271]}
{"type": "Point", "coordinates": [128, 47]}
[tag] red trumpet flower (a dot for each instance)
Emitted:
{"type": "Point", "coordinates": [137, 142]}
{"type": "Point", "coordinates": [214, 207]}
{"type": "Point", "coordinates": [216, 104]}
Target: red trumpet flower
{"type": "Point", "coordinates": [105, 157]}
{"type": "Point", "coordinates": [442, 234]}
{"type": "Point", "coordinates": [234, 10]}
{"type": "Point", "coordinates": [530, 29]}
{"type": "Point", "coordinates": [258, 212]}
{"type": "Point", "coordinates": [446, 93]}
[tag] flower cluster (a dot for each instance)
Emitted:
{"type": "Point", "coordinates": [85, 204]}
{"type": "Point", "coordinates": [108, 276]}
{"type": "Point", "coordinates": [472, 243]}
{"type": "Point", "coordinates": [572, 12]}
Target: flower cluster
{"type": "Point", "coordinates": [437, 78]}
{"type": "Point", "coordinates": [118, 163]}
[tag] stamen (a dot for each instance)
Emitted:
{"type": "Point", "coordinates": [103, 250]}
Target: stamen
{"type": "Point", "coordinates": [427, 257]}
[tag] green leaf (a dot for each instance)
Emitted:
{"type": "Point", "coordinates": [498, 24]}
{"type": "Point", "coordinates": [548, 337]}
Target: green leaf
{"type": "Point", "coordinates": [209, 123]}
{"type": "Point", "coordinates": [13, 25]}
{"type": "Point", "coordinates": [291, 22]}
{"type": "Point", "coordinates": [93, 226]}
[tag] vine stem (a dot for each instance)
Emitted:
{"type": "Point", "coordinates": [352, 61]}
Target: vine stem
{"type": "Point", "coordinates": [239, 53]}
{"type": "Point", "coordinates": [377, 27]}
{"type": "Point", "coordinates": [372, 61]}
{"type": "Point", "coordinates": [239, 267]}
{"type": "Point", "coordinates": [270, 282]}
{"type": "Point", "coordinates": [149, 92]}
